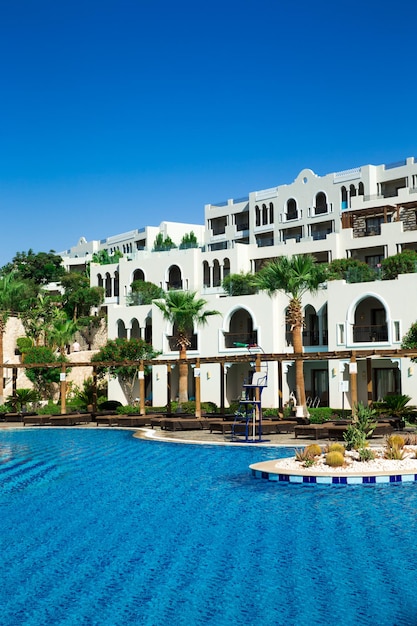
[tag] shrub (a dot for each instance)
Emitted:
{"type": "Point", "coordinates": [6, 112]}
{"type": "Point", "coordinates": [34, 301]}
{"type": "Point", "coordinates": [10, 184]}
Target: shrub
{"type": "Point", "coordinates": [403, 263]}
{"type": "Point", "coordinates": [302, 455]}
{"type": "Point", "coordinates": [320, 414]}
{"type": "Point", "coordinates": [364, 425]}
{"type": "Point", "coordinates": [366, 454]}
{"type": "Point", "coordinates": [128, 409]}
{"type": "Point", "coordinates": [335, 459]}
{"type": "Point", "coordinates": [397, 441]}
{"type": "Point", "coordinates": [313, 450]}
{"type": "Point", "coordinates": [336, 447]}
{"type": "Point", "coordinates": [394, 453]}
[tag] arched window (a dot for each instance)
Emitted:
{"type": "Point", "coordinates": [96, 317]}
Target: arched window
{"type": "Point", "coordinates": [138, 275]}
{"type": "Point", "coordinates": [108, 286]}
{"type": "Point", "coordinates": [121, 330]}
{"type": "Point", "coordinates": [271, 212]}
{"type": "Point", "coordinates": [226, 267]}
{"type": "Point", "coordinates": [116, 284]}
{"type": "Point", "coordinates": [216, 274]}
{"type": "Point", "coordinates": [352, 191]}
{"type": "Point", "coordinates": [264, 214]}
{"type": "Point", "coordinates": [257, 216]}
{"type": "Point", "coordinates": [311, 327]}
{"type": "Point", "coordinates": [291, 209]}
{"type": "Point", "coordinates": [99, 280]}
{"type": "Point", "coordinates": [344, 196]}
{"type": "Point", "coordinates": [135, 331]}
{"type": "Point", "coordinates": [206, 274]}
{"type": "Point", "coordinates": [361, 189]}
{"type": "Point", "coordinates": [240, 330]}
{"type": "Point", "coordinates": [370, 322]}
{"type": "Point", "coordinates": [148, 330]}
{"type": "Point", "coordinates": [174, 277]}
{"type": "Point", "coordinates": [321, 203]}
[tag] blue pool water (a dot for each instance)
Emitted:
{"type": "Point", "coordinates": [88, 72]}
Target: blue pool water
{"type": "Point", "coordinates": [99, 528]}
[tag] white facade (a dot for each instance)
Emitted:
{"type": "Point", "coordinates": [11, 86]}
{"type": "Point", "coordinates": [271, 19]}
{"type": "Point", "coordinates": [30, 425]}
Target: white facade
{"type": "Point", "coordinates": [367, 213]}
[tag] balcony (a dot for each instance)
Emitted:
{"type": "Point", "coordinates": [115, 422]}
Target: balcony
{"type": "Point", "coordinates": [231, 339]}
{"type": "Point", "coordinates": [370, 334]}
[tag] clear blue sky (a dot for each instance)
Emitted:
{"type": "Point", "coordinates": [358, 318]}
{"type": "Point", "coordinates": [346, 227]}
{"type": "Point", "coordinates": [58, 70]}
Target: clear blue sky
{"type": "Point", "coordinates": [116, 114]}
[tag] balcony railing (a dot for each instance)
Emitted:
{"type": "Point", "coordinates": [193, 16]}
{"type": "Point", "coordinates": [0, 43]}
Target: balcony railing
{"type": "Point", "coordinates": [369, 334]}
{"type": "Point", "coordinates": [231, 339]}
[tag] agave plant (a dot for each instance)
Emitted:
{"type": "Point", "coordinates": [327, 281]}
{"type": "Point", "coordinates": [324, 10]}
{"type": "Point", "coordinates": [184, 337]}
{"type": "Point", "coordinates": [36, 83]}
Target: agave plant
{"type": "Point", "coordinates": [22, 398]}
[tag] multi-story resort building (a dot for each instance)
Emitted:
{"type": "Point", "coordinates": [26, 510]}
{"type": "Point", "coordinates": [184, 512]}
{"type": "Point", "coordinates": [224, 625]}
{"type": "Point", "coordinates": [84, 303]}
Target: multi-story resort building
{"type": "Point", "coordinates": [366, 213]}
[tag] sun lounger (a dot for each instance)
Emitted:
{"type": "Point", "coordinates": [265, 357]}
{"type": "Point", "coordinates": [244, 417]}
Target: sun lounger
{"type": "Point", "coordinates": [36, 420]}
{"type": "Point", "coordinates": [133, 420]}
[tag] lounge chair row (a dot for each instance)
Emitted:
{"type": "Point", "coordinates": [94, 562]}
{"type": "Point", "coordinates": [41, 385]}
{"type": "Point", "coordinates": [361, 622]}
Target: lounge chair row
{"type": "Point", "coordinates": [72, 419]}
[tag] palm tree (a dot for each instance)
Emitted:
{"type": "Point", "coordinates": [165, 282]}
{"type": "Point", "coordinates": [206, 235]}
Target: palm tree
{"type": "Point", "coordinates": [184, 311]}
{"type": "Point", "coordinates": [13, 298]}
{"type": "Point", "coordinates": [293, 276]}
{"type": "Point", "coordinates": [61, 333]}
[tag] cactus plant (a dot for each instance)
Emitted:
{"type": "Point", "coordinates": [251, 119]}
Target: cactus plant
{"type": "Point", "coordinates": [335, 459]}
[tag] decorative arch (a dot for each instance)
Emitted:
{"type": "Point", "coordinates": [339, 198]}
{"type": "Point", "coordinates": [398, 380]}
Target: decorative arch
{"type": "Point", "coordinates": [138, 274]}
{"type": "Point", "coordinates": [257, 216]}
{"type": "Point", "coordinates": [344, 197]}
{"type": "Point", "coordinates": [239, 327]}
{"type": "Point", "coordinates": [291, 209]}
{"type": "Point", "coordinates": [368, 317]}
{"type": "Point", "coordinates": [135, 329]}
{"type": "Point", "coordinates": [226, 267]}
{"type": "Point", "coordinates": [217, 279]}
{"type": "Point", "coordinates": [108, 289]}
{"type": "Point", "coordinates": [264, 214]}
{"type": "Point", "coordinates": [100, 281]}
{"type": "Point", "coordinates": [206, 274]}
{"type": "Point", "coordinates": [121, 330]}
{"type": "Point", "coordinates": [116, 287]}
{"type": "Point", "coordinates": [361, 189]}
{"type": "Point", "coordinates": [271, 212]}
{"type": "Point", "coordinates": [148, 329]}
{"type": "Point", "coordinates": [321, 203]}
{"type": "Point", "coordinates": [311, 332]}
{"type": "Point", "coordinates": [174, 278]}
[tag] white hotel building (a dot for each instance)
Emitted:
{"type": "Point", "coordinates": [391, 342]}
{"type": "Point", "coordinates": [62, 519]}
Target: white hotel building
{"type": "Point", "coordinates": [367, 213]}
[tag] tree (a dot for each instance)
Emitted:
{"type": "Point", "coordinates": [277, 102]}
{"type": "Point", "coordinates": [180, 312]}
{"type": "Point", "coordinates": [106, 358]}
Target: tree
{"type": "Point", "coordinates": [79, 297]}
{"type": "Point", "coordinates": [13, 297]}
{"type": "Point", "coordinates": [240, 284]}
{"type": "Point", "coordinates": [37, 318]}
{"type": "Point", "coordinates": [61, 333]}
{"type": "Point", "coordinates": [121, 350]}
{"type": "Point", "coordinates": [183, 310]}
{"type": "Point", "coordinates": [403, 263]}
{"type": "Point", "coordinates": [189, 240]}
{"type": "Point", "coordinates": [350, 270]}
{"type": "Point", "coordinates": [293, 276]}
{"type": "Point", "coordinates": [102, 257]}
{"type": "Point", "coordinates": [144, 292]}
{"type": "Point", "coordinates": [409, 341]}
{"type": "Point", "coordinates": [43, 378]}
{"type": "Point", "coordinates": [162, 244]}
{"type": "Point", "coordinates": [41, 268]}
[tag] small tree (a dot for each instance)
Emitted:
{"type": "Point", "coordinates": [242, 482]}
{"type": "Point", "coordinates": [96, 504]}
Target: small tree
{"type": "Point", "coordinates": [240, 284]}
{"type": "Point", "coordinates": [102, 257]}
{"type": "Point", "coordinates": [184, 310]}
{"type": "Point", "coordinates": [403, 263]}
{"type": "Point", "coordinates": [122, 350]}
{"type": "Point", "coordinates": [144, 292]}
{"type": "Point", "coordinates": [43, 378]}
{"type": "Point", "coordinates": [350, 270]}
{"type": "Point", "coordinates": [79, 297]}
{"type": "Point", "coordinates": [409, 341]}
{"type": "Point", "coordinates": [189, 240]}
{"type": "Point", "coordinates": [162, 244]}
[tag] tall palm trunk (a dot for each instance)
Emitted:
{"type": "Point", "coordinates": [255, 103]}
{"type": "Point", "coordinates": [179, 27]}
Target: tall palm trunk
{"type": "Point", "coordinates": [295, 318]}
{"type": "Point", "coordinates": [183, 375]}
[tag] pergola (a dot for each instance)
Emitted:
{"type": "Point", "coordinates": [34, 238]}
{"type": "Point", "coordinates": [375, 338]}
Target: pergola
{"type": "Point", "coordinates": [347, 355]}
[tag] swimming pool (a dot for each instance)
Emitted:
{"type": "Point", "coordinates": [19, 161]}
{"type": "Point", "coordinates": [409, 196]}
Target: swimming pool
{"type": "Point", "coordinates": [100, 529]}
